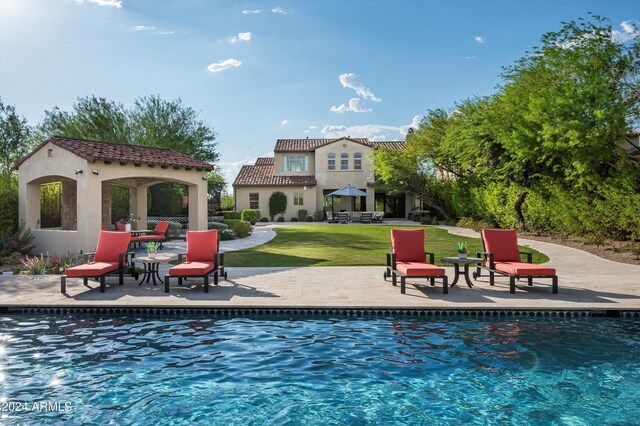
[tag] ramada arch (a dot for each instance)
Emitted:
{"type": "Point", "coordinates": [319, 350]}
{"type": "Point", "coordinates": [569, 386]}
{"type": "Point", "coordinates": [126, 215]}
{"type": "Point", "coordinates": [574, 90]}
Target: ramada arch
{"type": "Point", "coordinates": [87, 170]}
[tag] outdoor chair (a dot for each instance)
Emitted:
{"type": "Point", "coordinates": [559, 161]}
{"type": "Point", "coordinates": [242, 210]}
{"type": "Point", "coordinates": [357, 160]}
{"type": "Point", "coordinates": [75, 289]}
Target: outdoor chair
{"type": "Point", "coordinates": [202, 259]}
{"type": "Point", "coordinates": [343, 217]}
{"type": "Point", "coordinates": [158, 236]}
{"type": "Point", "coordinates": [378, 217]}
{"type": "Point", "coordinates": [502, 257]}
{"type": "Point", "coordinates": [110, 257]}
{"type": "Point", "coordinates": [120, 227]}
{"type": "Point", "coordinates": [408, 259]}
{"type": "Point", "coordinates": [366, 217]}
{"type": "Point", "coordinates": [330, 218]}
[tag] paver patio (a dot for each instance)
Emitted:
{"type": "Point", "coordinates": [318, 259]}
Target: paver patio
{"type": "Point", "coordinates": [586, 282]}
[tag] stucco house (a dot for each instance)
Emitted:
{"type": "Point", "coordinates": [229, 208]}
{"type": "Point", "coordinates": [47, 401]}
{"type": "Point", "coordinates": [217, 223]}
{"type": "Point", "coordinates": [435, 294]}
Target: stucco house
{"type": "Point", "coordinates": [87, 170]}
{"type": "Point", "coordinates": [306, 170]}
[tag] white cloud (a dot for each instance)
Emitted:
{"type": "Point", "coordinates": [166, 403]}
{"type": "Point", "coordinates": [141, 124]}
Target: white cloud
{"type": "Point", "coordinates": [307, 131]}
{"type": "Point", "coordinates": [285, 122]}
{"type": "Point", "coordinates": [313, 127]}
{"type": "Point", "coordinates": [354, 106]}
{"type": "Point", "coordinates": [628, 32]}
{"type": "Point", "coordinates": [279, 10]}
{"type": "Point", "coordinates": [350, 81]}
{"type": "Point", "coordinates": [142, 28]}
{"type": "Point", "coordinates": [165, 32]}
{"type": "Point", "coordinates": [251, 12]}
{"type": "Point", "coordinates": [224, 65]}
{"type": "Point", "coordinates": [470, 57]}
{"type": "Point", "coordinates": [480, 39]}
{"type": "Point", "coordinates": [241, 37]}
{"type": "Point", "coordinates": [374, 132]}
{"type": "Point", "coordinates": [230, 170]}
{"type": "Point", "coordinates": [112, 3]}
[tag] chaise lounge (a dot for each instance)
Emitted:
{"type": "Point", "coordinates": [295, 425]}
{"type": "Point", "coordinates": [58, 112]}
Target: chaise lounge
{"type": "Point", "coordinates": [110, 257]}
{"type": "Point", "coordinates": [158, 236]}
{"type": "Point", "coordinates": [408, 259]}
{"type": "Point", "coordinates": [202, 260]}
{"type": "Point", "coordinates": [502, 257]}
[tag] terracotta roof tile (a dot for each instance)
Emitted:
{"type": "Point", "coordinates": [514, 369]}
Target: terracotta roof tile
{"type": "Point", "coordinates": [388, 145]}
{"type": "Point", "coordinates": [262, 175]}
{"type": "Point", "coordinates": [93, 151]}
{"type": "Point", "coordinates": [264, 160]}
{"type": "Point", "coordinates": [304, 145]}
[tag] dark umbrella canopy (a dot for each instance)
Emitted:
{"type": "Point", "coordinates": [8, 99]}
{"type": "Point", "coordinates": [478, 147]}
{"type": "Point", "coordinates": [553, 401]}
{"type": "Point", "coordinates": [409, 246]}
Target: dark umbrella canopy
{"type": "Point", "coordinates": [347, 191]}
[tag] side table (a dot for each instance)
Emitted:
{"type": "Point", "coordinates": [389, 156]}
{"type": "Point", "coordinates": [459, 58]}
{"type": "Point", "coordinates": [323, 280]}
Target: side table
{"type": "Point", "coordinates": [151, 267]}
{"type": "Point", "coordinates": [466, 262]}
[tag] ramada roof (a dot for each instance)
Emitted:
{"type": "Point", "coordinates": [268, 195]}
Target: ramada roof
{"type": "Point", "coordinates": [306, 145]}
{"type": "Point", "coordinates": [111, 152]}
{"type": "Point", "coordinates": [261, 174]}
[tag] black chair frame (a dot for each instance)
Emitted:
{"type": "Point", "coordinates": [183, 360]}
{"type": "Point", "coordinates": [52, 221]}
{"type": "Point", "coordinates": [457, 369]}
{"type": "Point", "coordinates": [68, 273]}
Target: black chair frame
{"type": "Point", "coordinates": [391, 271]}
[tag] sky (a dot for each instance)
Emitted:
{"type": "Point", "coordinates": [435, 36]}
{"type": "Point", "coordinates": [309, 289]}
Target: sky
{"type": "Point", "coordinates": [258, 71]}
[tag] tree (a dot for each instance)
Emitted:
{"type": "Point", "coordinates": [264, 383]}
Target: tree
{"type": "Point", "coordinates": [215, 187]}
{"type": "Point", "coordinates": [14, 138]}
{"type": "Point", "coordinates": [277, 204]}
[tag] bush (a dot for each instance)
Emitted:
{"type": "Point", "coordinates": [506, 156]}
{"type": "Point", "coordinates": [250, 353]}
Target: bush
{"type": "Point", "coordinates": [264, 219]}
{"type": "Point", "coordinates": [249, 215]}
{"type": "Point", "coordinates": [426, 220]}
{"type": "Point", "coordinates": [476, 225]}
{"type": "Point", "coordinates": [294, 219]}
{"type": "Point", "coordinates": [226, 235]}
{"type": "Point", "coordinates": [217, 225]}
{"type": "Point", "coordinates": [309, 219]}
{"type": "Point", "coordinates": [230, 222]}
{"type": "Point", "coordinates": [302, 214]}
{"type": "Point", "coordinates": [277, 204]}
{"type": "Point", "coordinates": [232, 215]}
{"type": "Point", "coordinates": [240, 229]}
{"type": "Point", "coordinates": [11, 259]}
{"type": "Point", "coordinates": [8, 205]}
{"type": "Point", "coordinates": [20, 241]}
{"type": "Point", "coordinates": [319, 216]}
{"type": "Point", "coordinates": [280, 219]}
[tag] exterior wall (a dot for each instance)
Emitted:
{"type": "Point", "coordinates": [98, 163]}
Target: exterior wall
{"type": "Point", "coordinates": [241, 195]}
{"type": "Point", "coordinates": [278, 168]}
{"type": "Point", "coordinates": [52, 161]}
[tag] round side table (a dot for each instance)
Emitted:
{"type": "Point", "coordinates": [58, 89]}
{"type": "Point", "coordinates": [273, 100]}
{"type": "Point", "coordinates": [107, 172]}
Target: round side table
{"type": "Point", "coordinates": [151, 267]}
{"type": "Point", "coordinates": [456, 263]}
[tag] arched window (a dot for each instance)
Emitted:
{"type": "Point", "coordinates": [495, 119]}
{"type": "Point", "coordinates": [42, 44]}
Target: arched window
{"type": "Point", "coordinates": [357, 161]}
{"type": "Point", "coordinates": [331, 161]}
{"type": "Point", "coordinates": [344, 161]}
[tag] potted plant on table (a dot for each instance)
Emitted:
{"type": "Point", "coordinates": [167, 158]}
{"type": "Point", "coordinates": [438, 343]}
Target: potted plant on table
{"type": "Point", "coordinates": [152, 249]}
{"type": "Point", "coordinates": [462, 250]}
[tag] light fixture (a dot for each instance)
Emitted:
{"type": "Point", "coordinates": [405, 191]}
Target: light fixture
{"type": "Point", "coordinates": [95, 172]}
{"type": "Point", "coordinates": [304, 188]}
{"type": "Point", "coordinates": [79, 171]}
{"type": "Point", "coordinates": [204, 178]}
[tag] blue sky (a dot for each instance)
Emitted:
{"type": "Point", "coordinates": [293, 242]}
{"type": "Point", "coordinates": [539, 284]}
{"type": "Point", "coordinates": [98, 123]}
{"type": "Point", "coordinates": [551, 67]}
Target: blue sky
{"type": "Point", "coordinates": [262, 70]}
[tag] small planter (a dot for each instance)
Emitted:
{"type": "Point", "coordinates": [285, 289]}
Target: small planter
{"type": "Point", "coordinates": [127, 227]}
{"type": "Point", "coordinates": [151, 255]}
{"type": "Point", "coordinates": [462, 255]}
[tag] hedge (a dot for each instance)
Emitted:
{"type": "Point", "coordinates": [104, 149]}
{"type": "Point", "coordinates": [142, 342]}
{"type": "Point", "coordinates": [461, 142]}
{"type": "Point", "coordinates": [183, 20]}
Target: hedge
{"type": "Point", "coordinates": [232, 215]}
{"type": "Point", "coordinates": [217, 225]}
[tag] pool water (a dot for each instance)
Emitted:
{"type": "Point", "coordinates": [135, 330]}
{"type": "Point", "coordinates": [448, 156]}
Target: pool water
{"type": "Point", "coordinates": [440, 370]}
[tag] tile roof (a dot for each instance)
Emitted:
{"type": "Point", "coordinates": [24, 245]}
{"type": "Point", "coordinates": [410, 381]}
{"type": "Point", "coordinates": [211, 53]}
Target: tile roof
{"type": "Point", "coordinates": [264, 160]}
{"type": "Point", "coordinates": [262, 175]}
{"type": "Point", "coordinates": [388, 145]}
{"type": "Point", "coordinates": [93, 151]}
{"type": "Point", "coordinates": [304, 145]}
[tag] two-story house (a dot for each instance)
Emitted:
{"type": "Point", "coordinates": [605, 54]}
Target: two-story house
{"type": "Point", "coordinates": [306, 170]}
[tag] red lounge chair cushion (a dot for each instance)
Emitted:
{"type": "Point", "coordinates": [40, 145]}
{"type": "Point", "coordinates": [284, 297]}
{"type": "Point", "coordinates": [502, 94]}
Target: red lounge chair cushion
{"type": "Point", "coordinates": [202, 246]}
{"type": "Point", "coordinates": [120, 226]}
{"type": "Point", "coordinates": [94, 269]}
{"type": "Point", "coordinates": [503, 243]}
{"type": "Point", "coordinates": [524, 269]}
{"type": "Point", "coordinates": [420, 269]}
{"type": "Point", "coordinates": [111, 245]}
{"type": "Point", "coordinates": [104, 226]}
{"type": "Point", "coordinates": [408, 245]}
{"type": "Point", "coordinates": [161, 228]}
{"type": "Point", "coordinates": [146, 238]}
{"type": "Point", "coordinates": [191, 269]}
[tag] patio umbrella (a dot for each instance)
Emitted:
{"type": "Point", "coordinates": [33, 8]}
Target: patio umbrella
{"type": "Point", "coordinates": [345, 191]}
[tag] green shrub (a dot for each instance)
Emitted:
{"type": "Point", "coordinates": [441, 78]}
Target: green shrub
{"type": "Point", "coordinates": [230, 222]}
{"type": "Point", "coordinates": [20, 241]}
{"type": "Point", "coordinates": [294, 219]}
{"type": "Point", "coordinates": [277, 204]}
{"type": "Point", "coordinates": [232, 215]}
{"type": "Point", "coordinates": [249, 215]}
{"type": "Point", "coordinates": [8, 205]}
{"type": "Point", "coordinates": [476, 225]}
{"type": "Point", "coordinates": [240, 229]}
{"type": "Point", "coordinates": [264, 219]}
{"type": "Point", "coordinates": [11, 258]}
{"type": "Point", "coordinates": [309, 218]}
{"type": "Point", "coordinates": [280, 219]}
{"type": "Point", "coordinates": [226, 235]}
{"type": "Point", "coordinates": [217, 225]}
{"type": "Point", "coordinates": [318, 216]}
{"type": "Point", "coordinates": [426, 220]}
{"type": "Point", "coordinates": [302, 214]}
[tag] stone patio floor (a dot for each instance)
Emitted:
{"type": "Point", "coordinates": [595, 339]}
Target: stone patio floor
{"type": "Point", "coordinates": [587, 282]}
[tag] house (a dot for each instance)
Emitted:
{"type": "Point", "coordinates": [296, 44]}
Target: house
{"type": "Point", "coordinates": [306, 170]}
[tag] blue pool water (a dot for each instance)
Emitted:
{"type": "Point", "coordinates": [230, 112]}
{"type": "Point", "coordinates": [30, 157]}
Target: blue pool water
{"type": "Point", "coordinates": [449, 370]}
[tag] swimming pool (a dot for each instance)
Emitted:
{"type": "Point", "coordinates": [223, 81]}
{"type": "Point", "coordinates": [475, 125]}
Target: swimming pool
{"type": "Point", "coordinates": [442, 370]}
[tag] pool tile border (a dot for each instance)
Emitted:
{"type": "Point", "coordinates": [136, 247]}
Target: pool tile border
{"type": "Point", "coordinates": [314, 312]}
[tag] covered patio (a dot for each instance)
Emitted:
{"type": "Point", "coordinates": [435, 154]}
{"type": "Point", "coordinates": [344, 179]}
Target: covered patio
{"type": "Point", "coordinates": [87, 171]}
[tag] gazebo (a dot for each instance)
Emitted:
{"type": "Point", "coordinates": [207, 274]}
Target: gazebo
{"type": "Point", "coordinates": [87, 169]}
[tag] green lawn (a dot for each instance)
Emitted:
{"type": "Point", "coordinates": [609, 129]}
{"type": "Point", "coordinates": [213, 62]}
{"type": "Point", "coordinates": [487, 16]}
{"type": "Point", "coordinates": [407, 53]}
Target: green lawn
{"type": "Point", "coordinates": [345, 245]}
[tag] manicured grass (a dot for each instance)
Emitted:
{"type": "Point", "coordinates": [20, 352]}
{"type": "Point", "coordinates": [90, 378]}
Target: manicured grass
{"type": "Point", "coordinates": [345, 245]}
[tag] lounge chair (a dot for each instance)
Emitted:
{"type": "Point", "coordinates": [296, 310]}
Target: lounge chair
{"type": "Point", "coordinates": [378, 217]}
{"type": "Point", "coordinates": [120, 227]}
{"type": "Point", "coordinates": [158, 236]}
{"type": "Point", "coordinates": [502, 257]}
{"type": "Point", "coordinates": [110, 257]}
{"type": "Point", "coordinates": [408, 259]}
{"type": "Point", "coordinates": [330, 218]}
{"type": "Point", "coordinates": [343, 217]}
{"type": "Point", "coordinates": [202, 259]}
{"type": "Point", "coordinates": [366, 217]}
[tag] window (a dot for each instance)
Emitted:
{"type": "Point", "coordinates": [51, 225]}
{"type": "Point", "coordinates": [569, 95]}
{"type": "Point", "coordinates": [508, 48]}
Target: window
{"type": "Point", "coordinates": [254, 201]}
{"type": "Point", "coordinates": [344, 161]}
{"type": "Point", "coordinates": [357, 161]}
{"type": "Point", "coordinates": [296, 163]}
{"type": "Point", "coordinates": [298, 198]}
{"type": "Point", "coordinates": [359, 204]}
{"type": "Point", "coordinates": [331, 161]}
